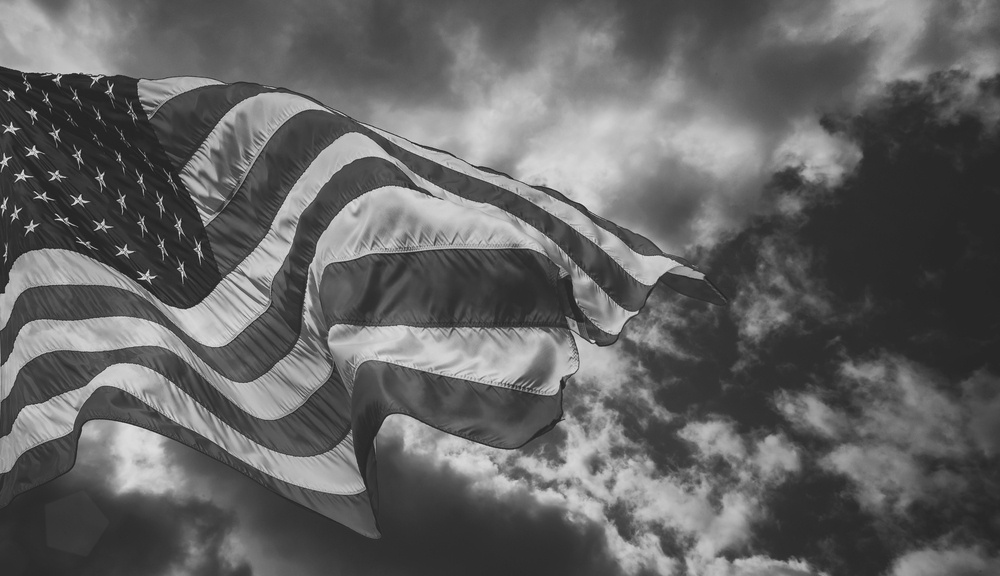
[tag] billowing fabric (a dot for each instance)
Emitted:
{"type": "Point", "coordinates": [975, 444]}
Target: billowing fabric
{"type": "Point", "coordinates": [262, 278]}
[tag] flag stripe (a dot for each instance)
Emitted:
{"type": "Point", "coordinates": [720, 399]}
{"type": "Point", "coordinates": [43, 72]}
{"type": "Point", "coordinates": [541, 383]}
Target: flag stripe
{"type": "Point", "coordinates": [202, 109]}
{"type": "Point", "coordinates": [215, 171]}
{"type": "Point", "coordinates": [497, 417]}
{"type": "Point", "coordinates": [325, 413]}
{"type": "Point", "coordinates": [431, 288]}
{"type": "Point", "coordinates": [51, 459]}
{"type": "Point", "coordinates": [156, 93]}
{"type": "Point", "coordinates": [528, 359]}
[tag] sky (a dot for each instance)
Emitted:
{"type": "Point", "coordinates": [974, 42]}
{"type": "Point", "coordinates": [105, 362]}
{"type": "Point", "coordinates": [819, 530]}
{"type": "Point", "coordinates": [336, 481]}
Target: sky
{"type": "Point", "coordinates": [832, 165]}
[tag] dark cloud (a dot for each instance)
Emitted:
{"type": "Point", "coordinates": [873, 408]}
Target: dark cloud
{"type": "Point", "coordinates": [902, 257]}
{"type": "Point", "coordinates": [144, 534]}
{"type": "Point", "coordinates": [433, 522]}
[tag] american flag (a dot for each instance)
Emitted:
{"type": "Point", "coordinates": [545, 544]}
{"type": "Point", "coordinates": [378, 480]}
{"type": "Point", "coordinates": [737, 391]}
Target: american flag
{"type": "Point", "coordinates": [265, 279]}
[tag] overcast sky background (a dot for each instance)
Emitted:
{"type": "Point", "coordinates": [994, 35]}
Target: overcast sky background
{"type": "Point", "coordinates": [834, 165]}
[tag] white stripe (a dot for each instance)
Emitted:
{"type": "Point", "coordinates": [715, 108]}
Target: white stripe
{"type": "Point", "coordinates": [644, 269]}
{"type": "Point", "coordinates": [687, 272]}
{"type": "Point", "coordinates": [155, 93]}
{"type": "Point", "coordinates": [334, 472]}
{"type": "Point", "coordinates": [217, 169]}
{"type": "Point", "coordinates": [532, 360]}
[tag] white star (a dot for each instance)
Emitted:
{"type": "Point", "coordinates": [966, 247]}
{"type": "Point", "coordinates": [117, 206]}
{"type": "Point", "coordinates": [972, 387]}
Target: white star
{"type": "Point", "coordinates": [147, 277]}
{"type": "Point", "coordinates": [142, 226]}
{"type": "Point", "coordinates": [78, 156]}
{"type": "Point", "coordinates": [10, 128]}
{"type": "Point", "coordinates": [55, 134]}
{"type": "Point", "coordinates": [13, 215]}
{"type": "Point", "coordinates": [122, 136]}
{"type": "Point", "coordinates": [34, 116]}
{"type": "Point", "coordinates": [69, 118]}
{"type": "Point", "coordinates": [4, 161]}
{"type": "Point", "coordinates": [58, 80]}
{"type": "Point", "coordinates": [27, 85]}
{"type": "Point", "coordinates": [124, 251]}
{"type": "Point", "coordinates": [95, 78]}
{"type": "Point", "coordinates": [197, 250]}
{"type": "Point", "coordinates": [21, 176]}
{"type": "Point", "coordinates": [30, 227]}
{"type": "Point", "coordinates": [45, 98]}
{"type": "Point", "coordinates": [79, 200]}
{"type": "Point", "coordinates": [110, 92]}
{"type": "Point", "coordinates": [118, 158]}
{"type": "Point", "coordinates": [33, 152]}
{"type": "Point", "coordinates": [180, 269]}
{"type": "Point", "coordinates": [9, 93]}
{"type": "Point", "coordinates": [97, 114]}
{"type": "Point", "coordinates": [43, 196]}
{"type": "Point", "coordinates": [76, 98]}
{"type": "Point", "coordinates": [3, 207]}
{"type": "Point", "coordinates": [121, 201]}
{"type": "Point", "coordinates": [55, 176]}
{"type": "Point", "coordinates": [132, 115]}
{"type": "Point", "coordinates": [100, 179]}
{"type": "Point", "coordinates": [86, 244]}
{"type": "Point", "coordinates": [159, 203]}
{"type": "Point", "coordinates": [102, 227]}
{"type": "Point", "coordinates": [178, 227]}
{"type": "Point", "coordinates": [163, 249]}
{"type": "Point", "coordinates": [65, 221]}
{"type": "Point", "coordinates": [141, 183]}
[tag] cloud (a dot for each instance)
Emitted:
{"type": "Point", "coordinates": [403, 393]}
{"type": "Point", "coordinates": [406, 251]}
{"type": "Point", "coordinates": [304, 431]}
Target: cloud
{"type": "Point", "coordinates": [758, 566]}
{"type": "Point", "coordinates": [957, 561]}
{"type": "Point", "coordinates": [145, 533]}
{"type": "Point", "coordinates": [898, 428]}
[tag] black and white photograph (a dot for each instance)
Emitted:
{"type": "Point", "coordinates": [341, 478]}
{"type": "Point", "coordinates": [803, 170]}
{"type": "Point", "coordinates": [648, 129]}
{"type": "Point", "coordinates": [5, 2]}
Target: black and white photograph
{"type": "Point", "coordinates": [452, 287]}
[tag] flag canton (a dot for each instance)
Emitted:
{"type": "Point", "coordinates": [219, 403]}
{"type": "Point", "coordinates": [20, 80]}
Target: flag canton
{"type": "Point", "coordinates": [81, 170]}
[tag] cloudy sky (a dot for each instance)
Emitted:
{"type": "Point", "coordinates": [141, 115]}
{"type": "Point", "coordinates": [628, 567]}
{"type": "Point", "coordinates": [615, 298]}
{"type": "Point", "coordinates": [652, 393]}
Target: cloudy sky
{"type": "Point", "coordinates": [833, 165]}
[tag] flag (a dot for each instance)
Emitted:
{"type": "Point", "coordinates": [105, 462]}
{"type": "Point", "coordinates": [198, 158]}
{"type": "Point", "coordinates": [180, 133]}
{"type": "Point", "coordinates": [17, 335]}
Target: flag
{"type": "Point", "coordinates": [260, 277]}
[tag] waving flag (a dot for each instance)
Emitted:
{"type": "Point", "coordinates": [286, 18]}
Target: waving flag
{"type": "Point", "coordinates": [265, 279]}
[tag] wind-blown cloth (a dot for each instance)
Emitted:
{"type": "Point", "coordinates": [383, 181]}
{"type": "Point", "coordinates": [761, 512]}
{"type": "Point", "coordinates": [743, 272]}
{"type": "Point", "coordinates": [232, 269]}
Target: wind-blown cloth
{"type": "Point", "coordinates": [265, 279]}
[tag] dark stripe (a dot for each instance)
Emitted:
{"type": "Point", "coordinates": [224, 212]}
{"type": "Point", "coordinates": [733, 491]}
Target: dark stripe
{"type": "Point", "coordinates": [183, 122]}
{"type": "Point", "coordinates": [268, 338]}
{"type": "Point", "coordinates": [703, 289]}
{"type": "Point", "coordinates": [444, 287]}
{"type": "Point", "coordinates": [244, 222]}
{"type": "Point", "coordinates": [324, 414]}
{"type": "Point", "coordinates": [52, 459]}
{"type": "Point", "coordinates": [497, 417]}
{"type": "Point", "coordinates": [585, 327]}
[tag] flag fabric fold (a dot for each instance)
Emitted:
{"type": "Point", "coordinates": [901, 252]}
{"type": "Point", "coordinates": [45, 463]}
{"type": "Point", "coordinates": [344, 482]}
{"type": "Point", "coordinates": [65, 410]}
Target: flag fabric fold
{"type": "Point", "coordinates": [262, 278]}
